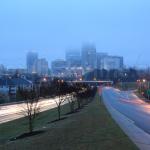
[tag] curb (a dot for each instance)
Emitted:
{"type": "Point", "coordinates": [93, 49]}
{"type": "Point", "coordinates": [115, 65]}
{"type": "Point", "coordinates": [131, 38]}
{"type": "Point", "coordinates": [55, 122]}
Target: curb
{"type": "Point", "coordinates": [136, 134]}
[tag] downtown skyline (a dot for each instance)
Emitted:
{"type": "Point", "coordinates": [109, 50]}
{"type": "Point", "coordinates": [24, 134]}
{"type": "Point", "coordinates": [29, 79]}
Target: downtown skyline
{"type": "Point", "coordinates": [52, 27]}
{"type": "Point", "coordinates": [20, 60]}
{"type": "Point", "coordinates": [74, 74]}
{"type": "Point", "coordinates": [71, 51]}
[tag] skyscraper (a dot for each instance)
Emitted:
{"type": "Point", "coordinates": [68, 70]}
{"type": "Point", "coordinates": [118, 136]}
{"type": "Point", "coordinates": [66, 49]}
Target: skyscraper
{"type": "Point", "coordinates": [100, 60]}
{"type": "Point", "coordinates": [42, 67]}
{"type": "Point", "coordinates": [89, 57]}
{"type": "Point", "coordinates": [2, 69]}
{"type": "Point", "coordinates": [32, 58]}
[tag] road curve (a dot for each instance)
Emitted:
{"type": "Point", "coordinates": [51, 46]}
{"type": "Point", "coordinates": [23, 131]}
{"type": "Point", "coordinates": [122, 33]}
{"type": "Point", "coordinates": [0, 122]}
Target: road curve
{"type": "Point", "coordinates": [127, 103]}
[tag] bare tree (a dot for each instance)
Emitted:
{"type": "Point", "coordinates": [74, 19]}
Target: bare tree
{"type": "Point", "coordinates": [59, 102]}
{"type": "Point", "coordinates": [32, 107]}
{"type": "Point", "coordinates": [60, 92]}
{"type": "Point", "coordinates": [71, 100]}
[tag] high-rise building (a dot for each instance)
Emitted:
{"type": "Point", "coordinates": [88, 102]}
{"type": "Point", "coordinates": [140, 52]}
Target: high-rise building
{"type": "Point", "coordinates": [42, 67]}
{"type": "Point", "coordinates": [100, 60]}
{"type": "Point", "coordinates": [89, 57]}
{"type": "Point", "coordinates": [32, 58]}
{"type": "Point", "coordinates": [2, 69]}
{"type": "Point", "coordinates": [112, 62]}
{"type": "Point", "coordinates": [59, 67]}
{"type": "Point", "coordinates": [73, 58]}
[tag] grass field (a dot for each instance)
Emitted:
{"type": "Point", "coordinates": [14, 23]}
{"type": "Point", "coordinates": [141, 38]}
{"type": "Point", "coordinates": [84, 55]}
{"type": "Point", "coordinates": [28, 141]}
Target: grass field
{"type": "Point", "coordinates": [15, 128]}
{"type": "Point", "coordinates": [127, 86]}
{"type": "Point", "coordinates": [90, 129]}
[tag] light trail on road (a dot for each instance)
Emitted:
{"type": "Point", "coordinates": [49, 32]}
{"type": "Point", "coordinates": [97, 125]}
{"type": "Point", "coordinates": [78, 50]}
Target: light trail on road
{"type": "Point", "coordinates": [15, 111]}
{"type": "Point", "coordinates": [127, 103]}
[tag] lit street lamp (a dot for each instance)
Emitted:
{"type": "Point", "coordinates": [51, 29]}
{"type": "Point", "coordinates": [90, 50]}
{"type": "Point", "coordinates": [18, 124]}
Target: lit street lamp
{"type": "Point", "coordinates": [144, 80]}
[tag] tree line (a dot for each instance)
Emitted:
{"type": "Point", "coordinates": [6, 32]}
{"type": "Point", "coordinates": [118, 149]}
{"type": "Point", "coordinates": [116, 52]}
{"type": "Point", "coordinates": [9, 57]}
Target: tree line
{"type": "Point", "coordinates": [125, 75]}
{"type": "Point", "coordinates": [72, 93]}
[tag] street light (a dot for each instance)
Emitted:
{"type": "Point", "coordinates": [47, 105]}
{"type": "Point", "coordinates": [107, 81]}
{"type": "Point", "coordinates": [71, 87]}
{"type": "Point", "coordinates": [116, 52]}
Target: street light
{"type": "Point", "coordinates": [94, 79]}
{"type": "Point", "coordinates": [59, 86]}
{"type": "Point", "coordinates": [40, 86]}
{"type": "Point", "coordinates": [141, 85]}
{"type": "Point", "coordinates": [44, 79]}
{"type": "Point", "coordinates": [144, 80]}
{"type": "Point", "coordinates": [80, 79]}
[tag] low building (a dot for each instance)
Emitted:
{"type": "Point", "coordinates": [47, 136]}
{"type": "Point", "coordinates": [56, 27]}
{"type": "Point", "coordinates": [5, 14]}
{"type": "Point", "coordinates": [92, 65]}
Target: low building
{"type": "Point", "coordinates": [59, 68]}
{"type": "Point", "coordinates": [112, 62]}
{"type": "Point", "coordinates": [9, 86]}
{"type": "Point", "coordinates": [73, 59]}
{"type": "Point", "coordinates": [16, 71]}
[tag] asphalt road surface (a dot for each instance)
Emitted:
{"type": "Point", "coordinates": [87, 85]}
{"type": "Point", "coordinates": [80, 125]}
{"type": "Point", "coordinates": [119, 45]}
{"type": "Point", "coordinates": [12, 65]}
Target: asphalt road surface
{"type": "Point", "coordinates": [15, 111]}
{"type": "Point", "coordinates": [127, 103]}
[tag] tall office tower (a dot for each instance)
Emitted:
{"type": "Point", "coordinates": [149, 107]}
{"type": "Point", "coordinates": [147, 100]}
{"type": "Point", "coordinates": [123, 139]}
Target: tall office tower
{"type": "Point", "coordinates": [32, 58]}
{"type": "Point", "coordinates": [113, 62]}
{"type": "Point", "coordinates": [2, 69]}
{"type": "Point", "coordinates": [42, 67]}
{"type": "Point", "coordinates": [73, 58]}
{"type": "Point", "coordinates": [89, 57]}
{"type": "Point", "coordinates": [59, 67]}
{"type": "Point", "coordinates": [100, 60]}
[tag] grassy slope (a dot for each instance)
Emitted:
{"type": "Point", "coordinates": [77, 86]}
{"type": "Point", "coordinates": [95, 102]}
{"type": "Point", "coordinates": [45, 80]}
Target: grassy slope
{"type": "Point", "coordinates": [19, 126]}
{"type": "Point", "coordinates": [90, 129]}
{"type": "Point", "coordinates": [127, 85]}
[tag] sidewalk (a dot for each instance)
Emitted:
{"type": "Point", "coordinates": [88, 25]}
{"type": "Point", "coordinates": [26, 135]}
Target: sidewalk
{"type": "Point", "coordinates": [137, 135]}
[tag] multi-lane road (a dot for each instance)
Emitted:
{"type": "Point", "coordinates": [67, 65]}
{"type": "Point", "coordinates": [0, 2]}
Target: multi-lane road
{"type": "Point", "coordinates": [129, 105]}
{"type": "Point", "coordinates": [15, 111]}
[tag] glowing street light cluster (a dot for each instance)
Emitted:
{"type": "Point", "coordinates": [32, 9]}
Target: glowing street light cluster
{"type": "Point", "coordinates": [140, 81]}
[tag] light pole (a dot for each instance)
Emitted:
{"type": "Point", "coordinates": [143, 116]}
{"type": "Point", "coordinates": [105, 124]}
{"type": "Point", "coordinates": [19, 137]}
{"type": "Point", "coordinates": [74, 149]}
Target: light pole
{"type": "Point", "coordinates": [59, 84]}
{"type": "Point", "coordinates": [43, 80]}
{"type": "Point", "coordinates": [142, 83]}
{"type": "Point", "coordinates": [139, 85]}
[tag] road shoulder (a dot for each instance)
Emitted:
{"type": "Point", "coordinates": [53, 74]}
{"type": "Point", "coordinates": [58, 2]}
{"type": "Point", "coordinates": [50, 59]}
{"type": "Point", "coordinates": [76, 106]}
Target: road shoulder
{"type": "Point", "coordinates": [137, 135]}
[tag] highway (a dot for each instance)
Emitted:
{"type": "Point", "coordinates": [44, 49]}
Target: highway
{"type": "Point", "coordinates": [16, 111]}
{"type": "Point", "coordinates": [127, 103]}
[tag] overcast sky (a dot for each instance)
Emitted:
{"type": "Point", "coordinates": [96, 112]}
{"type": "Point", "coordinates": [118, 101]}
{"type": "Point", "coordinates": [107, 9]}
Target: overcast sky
{"type": "Point", "coordinates": [50, 27]}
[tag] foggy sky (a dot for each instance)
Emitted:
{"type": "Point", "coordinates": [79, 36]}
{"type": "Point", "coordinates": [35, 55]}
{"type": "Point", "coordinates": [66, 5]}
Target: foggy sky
{"type": "Point", "coordinates": [50, 27]}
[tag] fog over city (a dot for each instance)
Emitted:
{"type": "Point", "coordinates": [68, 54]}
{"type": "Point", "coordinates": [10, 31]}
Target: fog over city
{"type": "Point", "coordinates": [74, 74]}
{"type": "Point", "coordinates": [52, 27]}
